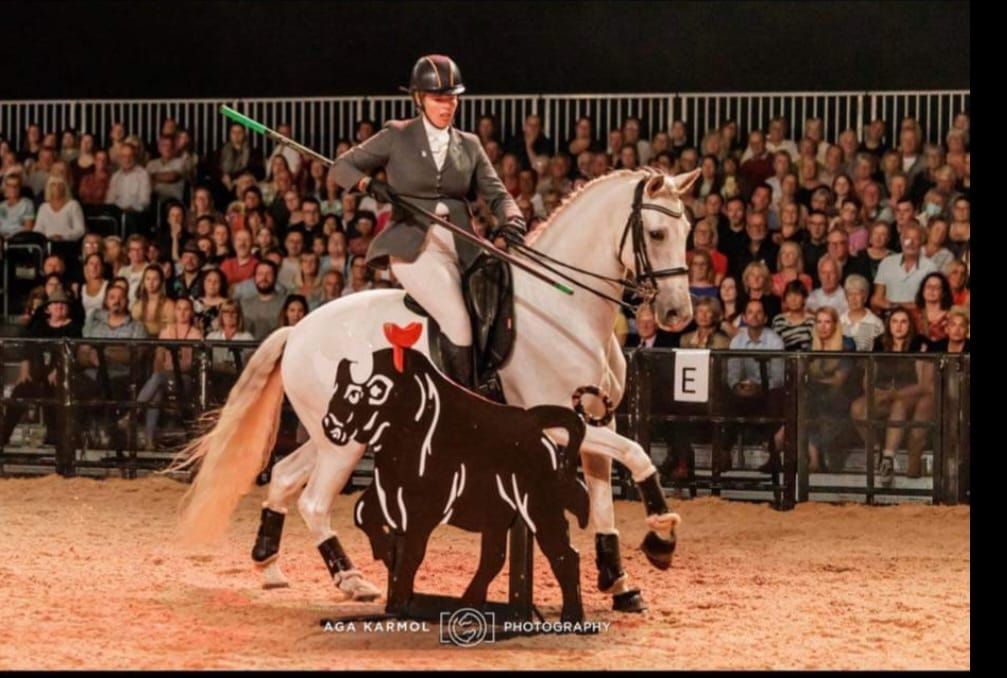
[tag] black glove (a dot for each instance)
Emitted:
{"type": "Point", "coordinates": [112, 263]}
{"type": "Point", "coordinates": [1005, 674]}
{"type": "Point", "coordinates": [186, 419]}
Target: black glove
{"type": "Point", "coordinates": [512, 231]}
{"type": "Point", "coordinates": [379, 190]}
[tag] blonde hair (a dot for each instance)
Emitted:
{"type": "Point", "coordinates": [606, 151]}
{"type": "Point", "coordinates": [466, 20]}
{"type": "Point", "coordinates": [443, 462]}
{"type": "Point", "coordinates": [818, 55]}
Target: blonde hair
{"type": "Point", "coordinates": [960, 312]}
{"type": "Point", "coordinates": [703, 254]}
{"type": "Point", "coordinates": [790, 245]}
{"type": "Point", "coordinates": [835, 342]}
{"type": "Point", "coordinates": [232, 305]}
{"type": "Point", "coordinates": [715, 308]}
{"type": "Point", "coordinates": [53, 182]}
{"type": "Point", "coordinates": [757, 266]}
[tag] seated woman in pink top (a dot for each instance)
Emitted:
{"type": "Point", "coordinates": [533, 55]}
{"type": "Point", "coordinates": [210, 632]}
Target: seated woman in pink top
{"type": "Point", "coordinates": [789, 266]}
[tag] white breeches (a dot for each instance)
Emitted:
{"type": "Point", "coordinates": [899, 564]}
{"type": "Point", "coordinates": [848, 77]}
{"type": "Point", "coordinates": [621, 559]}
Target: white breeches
{"type": "Point", "coordinates": [434, 280]}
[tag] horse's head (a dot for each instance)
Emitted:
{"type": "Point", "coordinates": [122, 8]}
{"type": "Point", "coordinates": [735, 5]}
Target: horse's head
{"type": "Point", "coordinates": [653, 246]}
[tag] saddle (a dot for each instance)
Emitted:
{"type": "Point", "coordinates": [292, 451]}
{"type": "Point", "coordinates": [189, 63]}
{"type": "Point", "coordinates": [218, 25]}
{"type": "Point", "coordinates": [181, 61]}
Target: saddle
{"type": "Point", "coordinates": [488, 289]}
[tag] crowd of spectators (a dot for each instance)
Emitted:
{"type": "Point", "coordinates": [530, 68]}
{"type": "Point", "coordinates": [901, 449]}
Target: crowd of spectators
{"type": "Point", "coordinates": [234, 245]}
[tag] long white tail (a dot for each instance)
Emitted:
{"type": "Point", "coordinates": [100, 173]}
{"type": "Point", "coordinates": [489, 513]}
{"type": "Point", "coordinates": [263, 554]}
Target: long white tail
{"type": "Point", "coordinates": [237, 448]}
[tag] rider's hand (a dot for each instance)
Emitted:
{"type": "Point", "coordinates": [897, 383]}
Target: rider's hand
{"type": "Point", "coordinates": [379, 190]}
{"type": "Point", "coordinates": [512, 231]}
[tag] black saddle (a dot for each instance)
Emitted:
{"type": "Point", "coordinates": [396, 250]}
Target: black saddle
{"type": "Point", "coordinates": [488, 288]}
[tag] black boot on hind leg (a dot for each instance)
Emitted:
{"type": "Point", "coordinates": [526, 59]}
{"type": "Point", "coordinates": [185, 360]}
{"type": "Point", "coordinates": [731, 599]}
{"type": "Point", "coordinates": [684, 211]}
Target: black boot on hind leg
{"type": "Point", "coordinates": [612, 578]}
{"type": "Point", "coordinates": [658, 549]}
{"type": "Point", "coordinates": [267, 549]}
{"type": "Point", "coordinates": [267, 543]}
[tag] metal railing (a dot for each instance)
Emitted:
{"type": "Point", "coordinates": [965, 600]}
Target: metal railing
{"type": "Point", "coordinates": [838, 111]}
{"type": "Point", "coordinates": [725, 425]}
{"type": "Point", "coordinates": [321, 122]}
{"type": "Point", "coordinates": [851, 424]}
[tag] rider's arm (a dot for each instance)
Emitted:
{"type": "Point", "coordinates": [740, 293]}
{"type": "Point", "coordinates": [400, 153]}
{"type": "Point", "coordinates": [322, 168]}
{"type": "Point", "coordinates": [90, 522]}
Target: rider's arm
{"type": "Point", "coordinates": [353, 165]}
{"type": "Point", "coordinates": [493, 191]}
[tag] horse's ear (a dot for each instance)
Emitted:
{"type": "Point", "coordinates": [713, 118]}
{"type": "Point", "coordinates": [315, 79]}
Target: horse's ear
{"type": "Point", "coordinates": [683, 182]}
{"type": "Point", "coordinates": [655, 185]}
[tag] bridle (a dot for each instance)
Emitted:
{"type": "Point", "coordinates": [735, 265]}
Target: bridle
{"type": "Point", "coordinates": [644, 285]}
{"type": "Point", "coordinates": [646, 276]}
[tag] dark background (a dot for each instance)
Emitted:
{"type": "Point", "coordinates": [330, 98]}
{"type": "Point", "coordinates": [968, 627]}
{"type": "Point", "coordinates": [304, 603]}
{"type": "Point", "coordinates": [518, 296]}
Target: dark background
{"type": "Point", "coordinates": [171, 48]}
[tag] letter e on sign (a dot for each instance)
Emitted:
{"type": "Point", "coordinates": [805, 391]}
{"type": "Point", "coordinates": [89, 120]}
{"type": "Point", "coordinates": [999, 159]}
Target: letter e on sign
{"type": "Point", "coordinates": [692, 375]}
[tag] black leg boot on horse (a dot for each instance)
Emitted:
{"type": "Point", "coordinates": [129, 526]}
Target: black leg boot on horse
{"type": "Point", "coordinates": [612, 578]}
{"type": "Point", "coordinates": [657, 548]}
{"type": "Point", "coordinates": [347, 578]}
{"type": "Point", "coordinates": [267, 547]}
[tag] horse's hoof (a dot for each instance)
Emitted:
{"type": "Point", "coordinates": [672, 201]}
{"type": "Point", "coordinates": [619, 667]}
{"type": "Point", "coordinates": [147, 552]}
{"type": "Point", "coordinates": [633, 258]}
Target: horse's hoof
{"type": "Point", "coordinates": [658, 550]}
{"type": "Point", "coordinates": [629, 601]}
{"type": "Point", "coordinates": [353, 585]}
{"type": "Point", "coordinates": [272, 577]}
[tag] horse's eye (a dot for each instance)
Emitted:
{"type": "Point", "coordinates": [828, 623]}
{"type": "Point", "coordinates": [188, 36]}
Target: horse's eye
{"type": "Point", "coordinates": [658, 234]}
{"type": "Point", "coordinates": [353, 394]}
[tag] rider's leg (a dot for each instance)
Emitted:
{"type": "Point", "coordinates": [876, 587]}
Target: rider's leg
{"type": "Point", "coordinates": [434, 281]}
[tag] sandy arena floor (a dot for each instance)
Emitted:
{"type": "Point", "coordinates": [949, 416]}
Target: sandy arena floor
{"type": "Point", "coordinates": [90, 579]}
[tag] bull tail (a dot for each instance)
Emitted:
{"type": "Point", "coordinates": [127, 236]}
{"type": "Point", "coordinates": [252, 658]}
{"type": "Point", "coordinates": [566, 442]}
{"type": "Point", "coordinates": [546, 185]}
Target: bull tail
{"type": "Point", "coordinates": [573, 491]}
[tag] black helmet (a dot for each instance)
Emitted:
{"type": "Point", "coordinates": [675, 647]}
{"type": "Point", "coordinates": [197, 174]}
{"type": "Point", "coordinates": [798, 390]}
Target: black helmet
{"type": "Point", "coordinates": [437, 74]}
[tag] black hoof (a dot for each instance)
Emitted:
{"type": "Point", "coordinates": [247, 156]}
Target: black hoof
{"type": "Point", "coordinates": [628, 601]}
{"type": "Point", "coordinates": [658, 550]}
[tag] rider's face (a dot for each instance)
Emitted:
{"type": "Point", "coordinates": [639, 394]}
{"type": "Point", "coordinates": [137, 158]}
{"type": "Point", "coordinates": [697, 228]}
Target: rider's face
{"type": "Point", "coordinates": [440, 108]}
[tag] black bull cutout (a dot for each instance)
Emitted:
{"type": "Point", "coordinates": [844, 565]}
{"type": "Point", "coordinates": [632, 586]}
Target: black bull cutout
{"type": "Point", "coordinates": [444, 455]}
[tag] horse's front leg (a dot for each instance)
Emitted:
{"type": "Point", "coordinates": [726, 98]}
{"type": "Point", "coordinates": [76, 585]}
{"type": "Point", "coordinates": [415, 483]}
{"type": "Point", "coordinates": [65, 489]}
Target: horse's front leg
{"type": "Point", "coordinates": [288, 477]}
{"type": "Point", "coordinates": [659, 544]}
{"type": "Point", "coordinates": [332, 469]}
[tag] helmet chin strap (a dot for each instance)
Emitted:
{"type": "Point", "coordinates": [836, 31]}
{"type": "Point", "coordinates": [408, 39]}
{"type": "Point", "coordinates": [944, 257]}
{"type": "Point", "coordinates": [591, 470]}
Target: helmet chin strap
{"type": "Point", "coordinates": [432, 122]}
{"type": "Point", "coordinates": [418, 100]}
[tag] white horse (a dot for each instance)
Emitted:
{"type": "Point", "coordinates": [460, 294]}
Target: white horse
{"type": "Point", "coordinates": [563, 342]}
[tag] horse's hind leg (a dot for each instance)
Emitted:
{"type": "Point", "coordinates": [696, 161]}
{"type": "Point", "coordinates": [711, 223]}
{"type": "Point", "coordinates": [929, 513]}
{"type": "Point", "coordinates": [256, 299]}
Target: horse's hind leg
{"type": "Point", "coordinates": [288, 477]}
{"type": "Point", "coordinates": [491, 560]}
{"type": "Point", "coordinates": [331, 471]}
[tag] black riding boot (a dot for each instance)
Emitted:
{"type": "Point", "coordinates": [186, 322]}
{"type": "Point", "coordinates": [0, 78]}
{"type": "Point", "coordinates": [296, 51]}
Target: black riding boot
{"type": "Point", "coordinates": [459, 361]}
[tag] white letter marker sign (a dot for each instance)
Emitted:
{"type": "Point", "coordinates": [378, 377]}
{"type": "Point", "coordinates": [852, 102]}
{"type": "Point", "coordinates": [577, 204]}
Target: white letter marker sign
{"type": "Point", "coordinates": [692, 375]}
